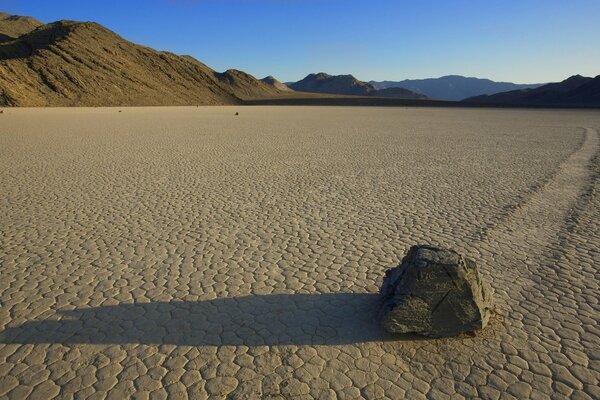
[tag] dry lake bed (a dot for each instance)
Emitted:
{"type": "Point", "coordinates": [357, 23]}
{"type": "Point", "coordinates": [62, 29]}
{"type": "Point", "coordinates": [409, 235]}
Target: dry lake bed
{"type": "Point", "coordinates": [189, 252]}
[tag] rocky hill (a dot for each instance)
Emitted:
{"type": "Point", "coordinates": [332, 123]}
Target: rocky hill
{"type": "Point", "coordinates": [347, 85]}
{"type": "Point", "coordinates": [13, 26]}
{"type": "Point", "coordinates": [453, 87]}
{"type": "Point", "coordinates": [269, 80]}
{"type": "Point", "coordinates": [69, 63]}
{"type": "Point", "coordinates": [577, 90]}
{"type": "Point", "coordinates": [338, 84]}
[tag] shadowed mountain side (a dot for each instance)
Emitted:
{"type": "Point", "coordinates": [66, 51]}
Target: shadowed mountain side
{"type": "Point", "coordinates": [318, 99]}
{"type": "Point", "coordinates": [399, 93]}
{"type": "Point", "coordinates": [578, 91]}
{"type": "Point", "coordinates": [453, 87]}
{"type": "Point", "coordinates": [339, 84]}
{"type": "Point", "coordinates": [280, 319]}
{"type": "Point", "coordinates": [348, 85]}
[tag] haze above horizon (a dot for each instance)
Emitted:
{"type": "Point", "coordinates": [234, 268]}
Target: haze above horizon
{"type": "Point", "coordinates": [523, 42]}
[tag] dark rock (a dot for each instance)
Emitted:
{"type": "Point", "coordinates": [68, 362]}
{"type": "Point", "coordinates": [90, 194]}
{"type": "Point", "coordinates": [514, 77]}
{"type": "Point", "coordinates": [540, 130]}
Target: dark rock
{"type": "Point", "coordinates": [434, 292]}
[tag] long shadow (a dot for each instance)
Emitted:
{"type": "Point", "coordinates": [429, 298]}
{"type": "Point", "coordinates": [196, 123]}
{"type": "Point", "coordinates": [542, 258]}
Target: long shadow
{"type": "Point", "coordinates": [279, 319]}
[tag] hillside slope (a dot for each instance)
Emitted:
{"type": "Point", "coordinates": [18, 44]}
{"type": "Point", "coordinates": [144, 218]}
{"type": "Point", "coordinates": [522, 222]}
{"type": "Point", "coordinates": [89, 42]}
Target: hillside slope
{"type": "Point", "coordinates": [574, 91]}
{"type": "Point", "coordinates": [13, 26]}
{"type": "Point", "coordinates": [269, 80]}
{"type": "Point", "coordinates": [68, 63]}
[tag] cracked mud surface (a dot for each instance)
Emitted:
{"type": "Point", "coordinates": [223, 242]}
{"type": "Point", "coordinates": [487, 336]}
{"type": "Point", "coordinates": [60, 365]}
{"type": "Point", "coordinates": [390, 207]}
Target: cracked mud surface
{"type": "Point", "coordinates": [186, 252]}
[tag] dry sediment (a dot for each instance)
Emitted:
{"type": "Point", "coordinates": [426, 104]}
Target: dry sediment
{"type": "Point", "coordinates": [186, 251]}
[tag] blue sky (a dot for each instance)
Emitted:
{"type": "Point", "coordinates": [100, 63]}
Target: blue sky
{"type": "Point", "coordinates": [519, 41]}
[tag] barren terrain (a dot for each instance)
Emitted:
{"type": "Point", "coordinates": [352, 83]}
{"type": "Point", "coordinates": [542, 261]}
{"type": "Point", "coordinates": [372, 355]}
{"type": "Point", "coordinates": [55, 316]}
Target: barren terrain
{"type": "Point", "coordinates": [187, 251]}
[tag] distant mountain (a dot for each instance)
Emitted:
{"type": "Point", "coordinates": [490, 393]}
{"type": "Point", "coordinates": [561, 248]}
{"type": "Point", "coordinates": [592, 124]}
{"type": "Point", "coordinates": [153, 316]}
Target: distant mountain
{"type": "Point", "coordinates": [269, 80]}
{"type": "Point", "coordinates": [339, 84]}
{"type": "Point", "coordinates": [574, 91]}
{"type": "Point", "coordinates": [347, 85]}
{"type": "Point", "coordinates": [69, 63]}
{"type": "Point", "coordinates": [453, 87]}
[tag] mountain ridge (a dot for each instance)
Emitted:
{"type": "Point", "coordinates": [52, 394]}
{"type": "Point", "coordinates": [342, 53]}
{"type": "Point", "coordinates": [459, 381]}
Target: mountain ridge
{"type": "Point", "coordinates": [68, 63]}
{"type": "Point", "coordinates": [453, 87]}
{"type": "Point", "coordinates": [322, 82]}
{"type": "Point", "coordinates": [576, 90]}
{"type": "Point", "coordinates": [13, 26]}
{"type": "Point", "coordinates": [71, 63]}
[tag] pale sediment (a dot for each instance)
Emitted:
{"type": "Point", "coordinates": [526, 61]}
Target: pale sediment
{"type": "Point", "coordinates": [188, 251]}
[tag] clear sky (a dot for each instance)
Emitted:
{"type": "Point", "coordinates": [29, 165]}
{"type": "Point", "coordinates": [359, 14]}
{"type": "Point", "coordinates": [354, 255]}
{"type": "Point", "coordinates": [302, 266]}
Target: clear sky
{"type": "Point", "coordinates": [521, 41]}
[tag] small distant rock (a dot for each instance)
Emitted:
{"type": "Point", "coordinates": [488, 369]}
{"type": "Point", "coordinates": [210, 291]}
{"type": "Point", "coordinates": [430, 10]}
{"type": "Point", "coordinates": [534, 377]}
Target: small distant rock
{"type": "Point", "coordinates": [435, 292]}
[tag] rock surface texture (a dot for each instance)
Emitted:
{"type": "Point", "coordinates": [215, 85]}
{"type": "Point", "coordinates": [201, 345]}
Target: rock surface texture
{"type": "Point", "coordinates": [435, 292]}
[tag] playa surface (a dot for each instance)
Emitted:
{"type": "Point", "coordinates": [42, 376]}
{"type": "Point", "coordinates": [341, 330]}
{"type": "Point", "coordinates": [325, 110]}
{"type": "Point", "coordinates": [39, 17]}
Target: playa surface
{"type": "Point", "coordinates": [190, 252]}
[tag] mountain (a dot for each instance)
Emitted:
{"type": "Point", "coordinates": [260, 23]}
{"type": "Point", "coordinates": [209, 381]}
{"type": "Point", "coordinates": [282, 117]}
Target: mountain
{"type": "Point", "coordinates": [245, 86]}
{"type": "Point", "coordinates": [574, 91]}
{"type": "Point", "coordinates": [269, 80]}
{"type": "Point", "coordinates": [346, 85]}
{"type": "Point", "coordinates": [338, 84]}
{"type": "Point", "coordinates": [453, 87]}
{"type": "Point", "coordinates": [69, 63]}
{"type": "Point", "coordinates": [13, 26]}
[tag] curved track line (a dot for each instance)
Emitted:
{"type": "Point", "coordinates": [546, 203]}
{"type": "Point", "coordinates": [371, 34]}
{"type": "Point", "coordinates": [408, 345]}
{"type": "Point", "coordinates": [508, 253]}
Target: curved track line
{"type": "Point", "coordinates": [530, 231]}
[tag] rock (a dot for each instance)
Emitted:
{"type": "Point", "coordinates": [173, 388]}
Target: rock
{"type": "Point", "coordinates": [435, 292]}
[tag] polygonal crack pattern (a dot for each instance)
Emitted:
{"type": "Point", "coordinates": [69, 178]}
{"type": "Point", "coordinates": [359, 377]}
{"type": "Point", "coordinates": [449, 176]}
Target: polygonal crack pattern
{"type": "Point", "coordinates": [185, 252]}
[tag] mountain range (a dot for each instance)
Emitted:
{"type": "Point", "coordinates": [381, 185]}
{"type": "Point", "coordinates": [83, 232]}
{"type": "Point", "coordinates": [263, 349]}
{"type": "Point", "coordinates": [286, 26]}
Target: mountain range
{"type": "Point", "coordinates": [575, 91]}
{"type": "Point", "coordinates": [348, 85]}
{"type": "Point", "coordinates": [453, 87]}
{"type": "Point", "coordinates": [69, 63]}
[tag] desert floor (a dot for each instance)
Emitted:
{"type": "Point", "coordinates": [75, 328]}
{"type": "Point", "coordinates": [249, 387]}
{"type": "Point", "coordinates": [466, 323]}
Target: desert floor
{"type": "Point", "coordinates": [174, 252]}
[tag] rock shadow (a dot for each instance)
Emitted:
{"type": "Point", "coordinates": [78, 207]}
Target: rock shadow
{"type": "Point", "coordinates": [278, 319]}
